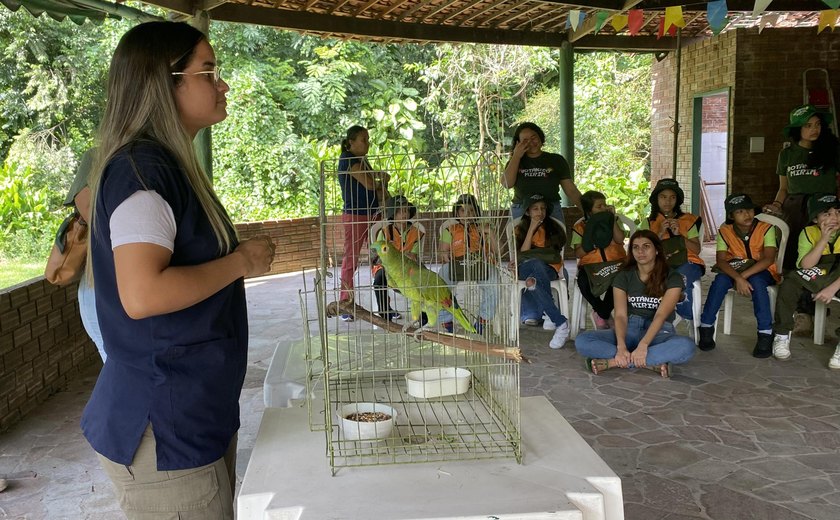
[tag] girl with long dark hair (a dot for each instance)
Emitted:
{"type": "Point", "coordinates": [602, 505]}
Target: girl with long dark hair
{"type": "Point", "coordinates": [645, 294]}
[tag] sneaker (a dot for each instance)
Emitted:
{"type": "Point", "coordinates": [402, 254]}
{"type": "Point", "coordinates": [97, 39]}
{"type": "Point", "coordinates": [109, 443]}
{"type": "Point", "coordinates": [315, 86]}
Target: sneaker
{"type": "Point", "coordinates": [390, 316]}
{"type": "Point", "coordinates": [834, 362]}
{"type": "Point", "coordinates": [707, 338]}
{"type": "Point", "coordinates": [803, 324]}
{"type": "Point", "coordinates": [347, 317]}
{"type": "Point", "coordinates": [548, 324]}
{"type": "Point", "coordinates": [561, 334]}
{"type": "Point", "coordinates": [764, 346]}
{"type": "Point", "coordinates": [448, 326]}
{"type": "Point", "coordinates": [480, 325]}
{"type": "Point", "coordinates": [600, 323]}
{"type": "Point", "coordinates": [533, 322]}
{"type": "Point", "coordinates": [781, 346]}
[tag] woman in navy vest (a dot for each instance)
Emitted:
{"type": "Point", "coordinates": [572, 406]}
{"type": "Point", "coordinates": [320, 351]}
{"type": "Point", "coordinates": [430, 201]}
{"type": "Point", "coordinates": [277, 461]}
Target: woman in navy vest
{"type": "Point", "coordinates": [168, 272]}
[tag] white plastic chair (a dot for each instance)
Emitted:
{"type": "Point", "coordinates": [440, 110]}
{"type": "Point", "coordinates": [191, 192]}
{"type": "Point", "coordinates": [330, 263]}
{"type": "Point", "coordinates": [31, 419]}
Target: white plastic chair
{"type": "Point", "coordinates": [819, 321]}
{"type": "Point", "coordinates": [559, 287]}
{"type": "Point", "coordinates": [772, 291]}
{"type": "Point", "coordinates": [580, 307]}
{"type": "Point", "coordinates": [696, 297]}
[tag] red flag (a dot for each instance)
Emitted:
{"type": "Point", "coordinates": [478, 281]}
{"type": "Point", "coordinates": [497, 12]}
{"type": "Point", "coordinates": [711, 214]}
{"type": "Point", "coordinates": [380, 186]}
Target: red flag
{"type": "Point", "coordinates": [635, 19]}
{"type": "Point", "coordinates": [661, 30]}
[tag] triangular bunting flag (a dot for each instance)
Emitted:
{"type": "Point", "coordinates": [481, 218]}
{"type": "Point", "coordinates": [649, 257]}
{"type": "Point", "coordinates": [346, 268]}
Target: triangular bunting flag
{"type": "Point", "coordinates": [716, 29]}
{"type": "Point", "coordinates": [828, 18]}
{"type": "Point", "coordinates": [834, 4]}
{"type": "Point", "coordinates": [600, 18]}
{"type": "Point", "coordinates": [674, 17]}
{"type": "Point", "coordinates": [568, 22]}
{"type": "Point", "coordinates": [716, 13]}
{"type": "Point", "coordinates": [767, 19]}
{"type": "Point", "coordinates": [574, 18]}
{"type": "Point", "coordinates": [635, 20]}
{"type": "Point", "coordinates": [660, 30]}
{"type": "Point", "coordinates": [619, 22]}
{"type": "Point", "coordinates": [760, 6]}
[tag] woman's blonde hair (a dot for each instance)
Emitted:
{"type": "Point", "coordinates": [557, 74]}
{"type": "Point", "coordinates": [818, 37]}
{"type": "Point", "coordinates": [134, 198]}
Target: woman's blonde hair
{"type": "Point", "coordinates": [141, 105]}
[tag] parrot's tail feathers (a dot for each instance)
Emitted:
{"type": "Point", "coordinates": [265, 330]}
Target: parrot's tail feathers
{"type": "Point", "coordinates": [462, 319]}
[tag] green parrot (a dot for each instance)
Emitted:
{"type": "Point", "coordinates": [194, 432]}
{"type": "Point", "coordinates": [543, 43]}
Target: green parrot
{"type": "Point", "coordinates": [426, 291]}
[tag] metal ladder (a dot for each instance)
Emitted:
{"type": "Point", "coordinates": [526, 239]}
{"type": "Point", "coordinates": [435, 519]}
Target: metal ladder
{"type": "Point", "coordinates": [819, 95]}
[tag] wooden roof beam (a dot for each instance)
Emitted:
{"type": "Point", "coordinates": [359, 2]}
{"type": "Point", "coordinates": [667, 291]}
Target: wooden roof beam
{"type": "Point", "coordinates": [346, 26]}
{"type": "Point", "coordinates": [365, 7]}
{"type": "Point", "coordinates": [514, 17]}
{"type": "Point", "coordinates": [420, 5]}
{"type": "Point", "coordinates": [532, 22]}
{"type": "Point", "coordinates": [481, 11]}
{"type": "Point", "coordinates": [461, 11]}
{"type": "Point", "coordinates": [388, 11]}
{"type": "Point", "coordinates": [440, 8]}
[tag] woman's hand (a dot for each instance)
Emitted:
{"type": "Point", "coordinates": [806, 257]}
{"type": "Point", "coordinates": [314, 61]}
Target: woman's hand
{"type": "Point", "coordinates": [520, 149]}
{"type": "Point", "coordinates": [258, 253]}
{"type": "Point", "coordinates": [773, 208]}
{"type": "Point", "coordinates": [622, 357]}
{"type": "Point", "coordinates": [639, 356]}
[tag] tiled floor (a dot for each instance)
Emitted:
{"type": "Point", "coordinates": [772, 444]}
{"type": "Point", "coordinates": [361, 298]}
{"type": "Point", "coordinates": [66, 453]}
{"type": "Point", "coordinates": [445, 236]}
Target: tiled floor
{"type": "Point", "coordinates": [728, 437]}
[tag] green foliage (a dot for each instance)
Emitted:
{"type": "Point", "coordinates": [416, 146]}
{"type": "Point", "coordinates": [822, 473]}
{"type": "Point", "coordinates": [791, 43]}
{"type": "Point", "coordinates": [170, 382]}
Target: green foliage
{"type": "Point", "coordinates": [29, 217]}
{"type": "Point", "coordinates": [292, 97]}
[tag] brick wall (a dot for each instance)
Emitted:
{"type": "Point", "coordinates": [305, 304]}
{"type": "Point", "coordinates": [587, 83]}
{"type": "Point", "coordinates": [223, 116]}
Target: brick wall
{"type": "Point", "coordinates": [764, 72]}
{"type": "Point", "coordinates": [707, 65]}
{"type": "Point", "coordinates": [42, 346]}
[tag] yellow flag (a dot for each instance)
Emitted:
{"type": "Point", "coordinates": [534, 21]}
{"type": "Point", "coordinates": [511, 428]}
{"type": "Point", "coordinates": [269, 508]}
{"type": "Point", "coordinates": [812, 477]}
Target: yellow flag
{"type": "Point", "coordinates": [674, 16]}
{"type": "Point", "coordinates": [619, 22]}
{"type": "Point", "coordinates": [828, 18]}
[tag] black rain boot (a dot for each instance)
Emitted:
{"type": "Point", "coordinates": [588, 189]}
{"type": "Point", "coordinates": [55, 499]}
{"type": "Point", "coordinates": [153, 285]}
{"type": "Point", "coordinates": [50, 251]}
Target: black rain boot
{"type": "Point", "coordinates": [707, 338]}
{"type": "Point", "coordinates": [763, 346]}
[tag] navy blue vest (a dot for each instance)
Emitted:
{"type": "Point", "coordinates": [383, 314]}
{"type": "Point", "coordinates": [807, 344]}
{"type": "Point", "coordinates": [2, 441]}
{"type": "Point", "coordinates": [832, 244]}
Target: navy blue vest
{"type": "Point", "coordinates": [181, 371]}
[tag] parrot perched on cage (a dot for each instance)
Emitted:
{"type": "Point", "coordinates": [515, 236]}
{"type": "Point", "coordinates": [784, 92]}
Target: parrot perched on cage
{"type": "Point", "coordinates": [426, 291]}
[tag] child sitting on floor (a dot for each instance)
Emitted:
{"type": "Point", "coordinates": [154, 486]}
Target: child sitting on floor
{"type": "Point", "coordinates": [594, 250]}
{"type": "Point", "coordinates": [746, 260]}
{"type": "Point", "coordinates": [819, 272]}
{"type": "Point", "coordinates": [399, 231]}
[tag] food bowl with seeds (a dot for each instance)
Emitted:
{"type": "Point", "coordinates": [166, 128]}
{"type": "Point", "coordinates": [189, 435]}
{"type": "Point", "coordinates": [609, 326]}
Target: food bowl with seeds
{"type": "Point", "coordinates": [366, 421]}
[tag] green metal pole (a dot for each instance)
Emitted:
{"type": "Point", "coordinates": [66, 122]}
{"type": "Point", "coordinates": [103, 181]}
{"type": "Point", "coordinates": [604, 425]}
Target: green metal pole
{"type": "Point", "coordinates": [567, 109]}
{"type": "Point", "coordinates": [203, 142]}
{"type": "Point", "coordinates": [677, 105]}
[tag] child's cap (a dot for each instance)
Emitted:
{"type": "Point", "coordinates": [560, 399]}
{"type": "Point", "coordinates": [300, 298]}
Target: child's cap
{"type": "Point", "coordinates": [820, 203]}
{"type": "Point", "coordinates": [398, 201]}
{"type": "Point", "coordinates": [738, 201]}
{"type": "Point", "coordinates": [667, 184]}
{"type": "Point", "coordinates": [801, 114]}
{"type": "Point", "coordinates": [533, 198]}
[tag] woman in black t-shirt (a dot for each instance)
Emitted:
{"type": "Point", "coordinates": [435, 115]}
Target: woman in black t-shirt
{"type": "Point", "coordinates": [646, 293]}
{"type": "Point", "coordinates": [530, 170]}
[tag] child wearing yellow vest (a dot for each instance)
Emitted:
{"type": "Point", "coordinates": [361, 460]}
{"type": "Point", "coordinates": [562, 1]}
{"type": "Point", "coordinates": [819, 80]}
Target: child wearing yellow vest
{"type": "Point", "coordinates": [818, 259]}
{"type": "Point", "coordinates": [402, 235]}
{"type": "Point", "coordinates": [668, 220]}
{"type": "Point", "coordinates": [746, 261]}
{"type": "Point", "coordinates": [592, 203]}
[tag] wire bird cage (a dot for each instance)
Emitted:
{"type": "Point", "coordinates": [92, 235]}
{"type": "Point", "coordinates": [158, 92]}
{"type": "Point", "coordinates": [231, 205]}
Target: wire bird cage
{"type": "Point", "coordinates": [390, 391]}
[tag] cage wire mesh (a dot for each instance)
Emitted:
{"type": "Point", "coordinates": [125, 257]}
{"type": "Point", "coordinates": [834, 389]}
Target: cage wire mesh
{"type": "Point", "coordinates": [383, 391]}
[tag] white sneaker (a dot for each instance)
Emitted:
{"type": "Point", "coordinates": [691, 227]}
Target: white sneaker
{"type": "Point", "coordinates": [548, 324]}
{"type": "Point", "coordinates": [834, 362]}
{"type": "Point", "coordinates": [560, 336]}
{"type": "Point", "coordinates": [781, 346]}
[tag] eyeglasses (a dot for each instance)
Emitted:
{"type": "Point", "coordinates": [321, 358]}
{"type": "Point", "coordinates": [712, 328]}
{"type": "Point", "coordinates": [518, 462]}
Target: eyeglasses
{"type": "Point", "coordinates": [216, 72]}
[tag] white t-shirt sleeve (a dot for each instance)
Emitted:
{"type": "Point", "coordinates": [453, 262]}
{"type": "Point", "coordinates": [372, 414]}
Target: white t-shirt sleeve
{"type": "Point", "coordinates": [144, 217]}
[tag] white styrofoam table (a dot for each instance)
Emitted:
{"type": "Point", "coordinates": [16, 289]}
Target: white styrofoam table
{"type": "Point", "coordinates": [561, 477]}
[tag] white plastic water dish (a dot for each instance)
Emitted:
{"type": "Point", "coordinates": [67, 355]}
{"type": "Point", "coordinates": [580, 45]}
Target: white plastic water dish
{"type": "Point", "coordinates": [438, 382]}
{"type": "Point", "coordinates": [366, 431]}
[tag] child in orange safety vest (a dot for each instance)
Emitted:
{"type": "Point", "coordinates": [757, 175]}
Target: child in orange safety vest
{"type": "Point", "coordinates": [746, 262]}
{"type": "Point", "coordinates": [401, 233]}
